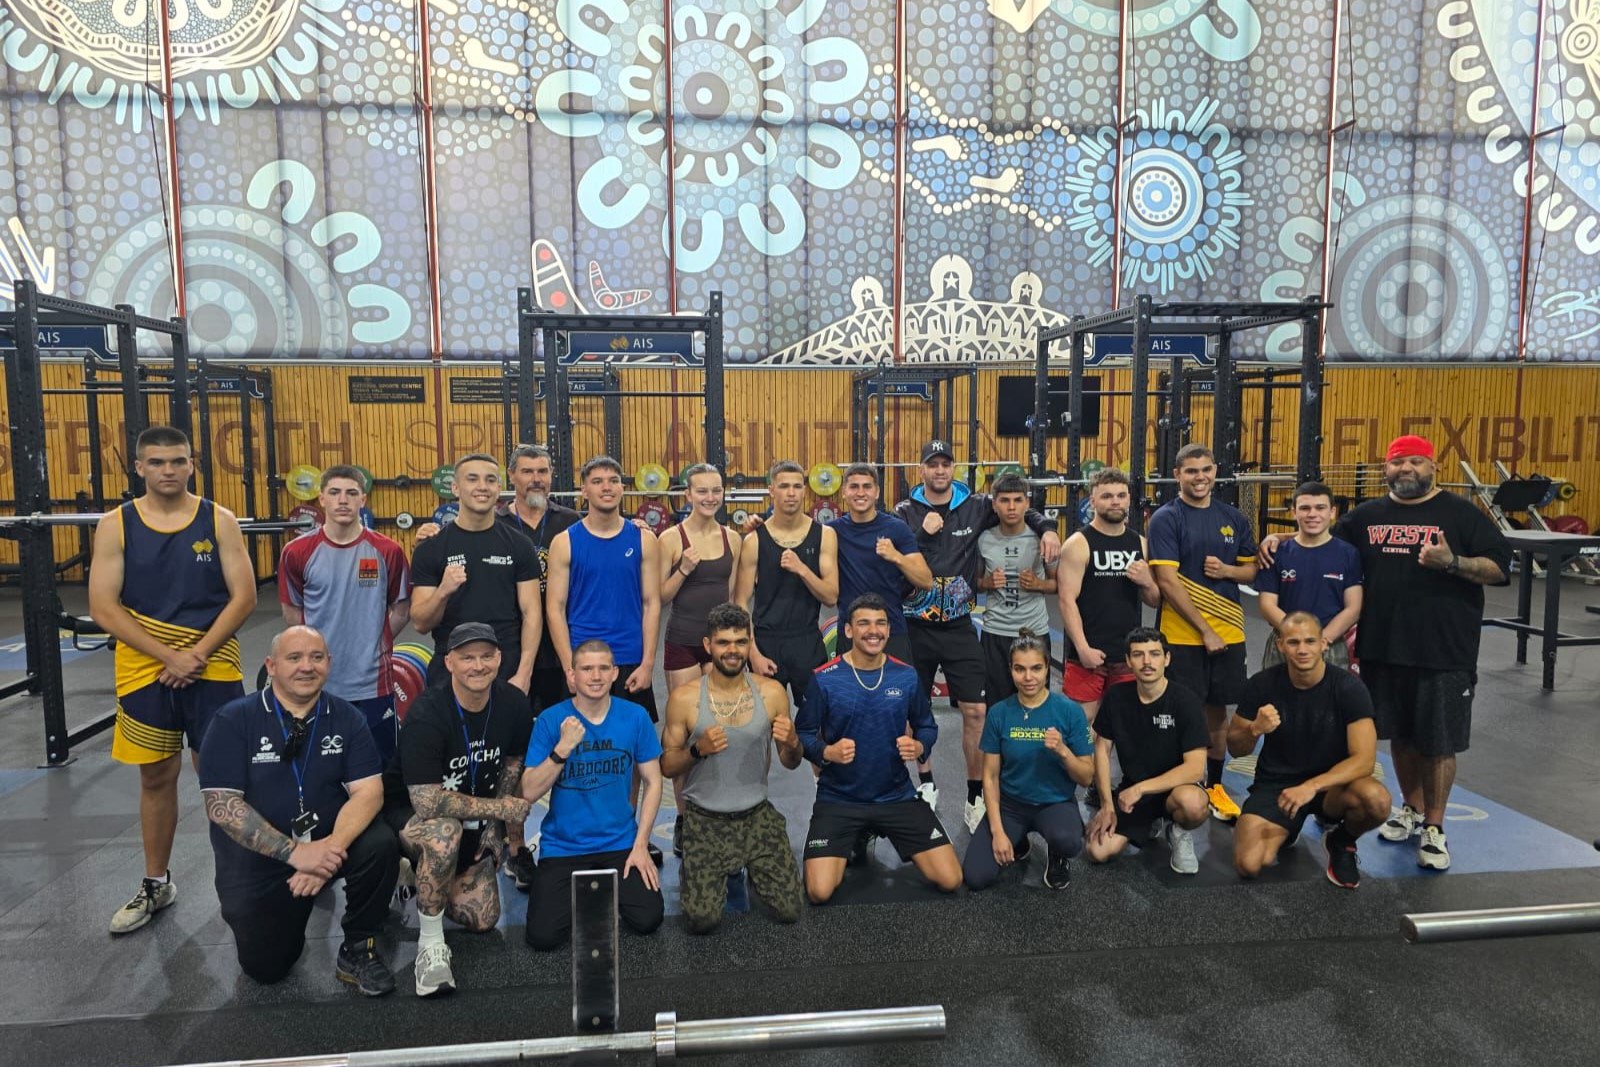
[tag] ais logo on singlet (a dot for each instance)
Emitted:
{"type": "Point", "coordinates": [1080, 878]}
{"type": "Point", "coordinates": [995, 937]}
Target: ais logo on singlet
{"type": "Point", "coordinates": [203, 549]}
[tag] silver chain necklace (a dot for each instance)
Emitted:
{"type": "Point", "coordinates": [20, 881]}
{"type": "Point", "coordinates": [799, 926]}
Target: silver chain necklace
{"type": "Point", "coordinates": [873, 688]}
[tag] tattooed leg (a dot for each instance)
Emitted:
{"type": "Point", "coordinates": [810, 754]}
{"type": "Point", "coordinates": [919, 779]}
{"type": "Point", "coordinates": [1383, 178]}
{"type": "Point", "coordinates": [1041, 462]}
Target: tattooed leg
{"type": "Point", "coordinates": [475, 897]}
{"type": "Point", "coordinates": [433, 845]}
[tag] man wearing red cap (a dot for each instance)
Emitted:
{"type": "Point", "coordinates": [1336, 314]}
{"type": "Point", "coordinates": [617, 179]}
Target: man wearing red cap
{"type": "Point", "coordinates": [1426, 556]}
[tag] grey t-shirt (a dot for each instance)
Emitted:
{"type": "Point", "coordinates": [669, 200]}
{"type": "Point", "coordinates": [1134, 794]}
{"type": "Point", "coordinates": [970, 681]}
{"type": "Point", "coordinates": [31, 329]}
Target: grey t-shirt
{"type": "Point", "coordinates": [1010, 610]}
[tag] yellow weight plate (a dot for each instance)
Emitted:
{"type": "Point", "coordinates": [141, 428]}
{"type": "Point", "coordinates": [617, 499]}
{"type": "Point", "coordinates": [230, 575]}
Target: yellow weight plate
{"type": "Point", "coordinates": [303, 482]}
{"type": "Point", "coordinates": [825, 479]}
{"type": "Point", "coordinates": [1566, 491]}
{"type": "Point", "coordinates": [652, 478]}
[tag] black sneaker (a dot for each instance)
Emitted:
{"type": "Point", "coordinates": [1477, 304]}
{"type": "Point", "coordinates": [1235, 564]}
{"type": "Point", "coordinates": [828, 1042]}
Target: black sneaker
{"type": "Point", "coordinates": [1343, 868]}
{"type": "Point", "coordinates": [1058, 873]}
{"type": "Point", "coordinates": [360, 966]}
{"type": "Point", "coordinates": [1021, 850]}
{"type": "Point", "coordinates": [677, 837]}
{"type": "Point", "coordinates": [521, 867]}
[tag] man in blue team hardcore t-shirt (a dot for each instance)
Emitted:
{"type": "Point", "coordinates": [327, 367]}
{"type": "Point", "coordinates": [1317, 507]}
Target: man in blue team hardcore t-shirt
{"type": "Point", "coordinates": [853, 726]}
{"type": "Point", "coordinates": [584, 752]}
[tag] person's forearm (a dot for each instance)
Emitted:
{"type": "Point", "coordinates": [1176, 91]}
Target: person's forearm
{"type": "Point", "coordinates": [1267, 605]}
{"type": "Point", "coordinates": [824, 591]}
{"type": "Point", "coordinates": [1072, 624]}
{"type": "Point", "coordinates": [293, 614]}
{"type": "Point", "coordinates": [555, 617]}
{"type": "Point", "coordinates": [436, 802]}
{"type": "Point", "coordinates": [915, 571]}
{"type": "Point", "coordinates": [1102, 777]}
{"type": "Point", "coordinates": [245, 825]}
{"type": "Point", "coordinates": [427, 610]}
{"type": "Point", "coordinates": [1172, 590]}
{"type": "Point", "coordinates": [991, 800]}
{"type": "Point", "coordinates": [652, 631]}
{"type": "Point", "coordinates": [649, 804]}
{"type": "Point", "coordinates": [676, 760]}
{"type": "Point", "coordinates": [1239, 573]}
{"type": "Point", "coordinates": [1480, 570]}
{"type": "Point", "coordinates": [1182, 774]}
{"type": "Point", "coordinates": [532, 631]}
{"type": "Point", "coordinates": [536, 781]}
{"type": "Point", "coordinates": [115, 620]}
{"type": "Point", "coordinates": [1347, 770]}
{"type": "Point", "coordinates": [672, 583]}
{"type": "Point", "coordinates": [227, 623]}
{"type": "Point", "coordinates": [1241, 738]}
{"type": "Point", "coordinates": [356, 815]}
{"type": "Point", "coordinates": [791, 754]}
{"type": "Point", "coordinates": [1079, 768]}
{"type": "Point", "coordinates": [1340, 624]}
{"type": "Point", "coordinates": [399, 616]}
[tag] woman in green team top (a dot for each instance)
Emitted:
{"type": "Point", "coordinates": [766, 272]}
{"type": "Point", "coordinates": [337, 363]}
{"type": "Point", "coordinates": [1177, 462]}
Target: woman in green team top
{"type": "Point", "coordinates": [1036, 751]}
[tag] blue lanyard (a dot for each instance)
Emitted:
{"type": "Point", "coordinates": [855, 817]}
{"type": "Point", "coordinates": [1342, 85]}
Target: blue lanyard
{"type": "Point", "coordinates": [466, 739]}
{"type": "Point", "coordinates": [305, 764]}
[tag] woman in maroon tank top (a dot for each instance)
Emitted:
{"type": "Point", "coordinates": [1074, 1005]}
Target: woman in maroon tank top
{"type": "Point", "coordinates": [698, 574]}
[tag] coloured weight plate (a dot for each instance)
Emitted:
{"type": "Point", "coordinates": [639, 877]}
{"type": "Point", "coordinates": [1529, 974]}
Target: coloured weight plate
{"type": "Point", "coordinates": [655, 515]}
{"type": "Point", "coordinates": [443, 481]}
{"type": "Point", "coordinates": [409, 658]}
{"type": "Point", "coordinates": [445, 514]}
{"type": "Point", "coordinates": [824, 512]}
{"type": "Point", "coordinates": [368, 519]}
{"type": "Point", "coordinates": [405, 520]}
{"type": "Point", "coordinates": [1569, 524]}
{"type": "Point", "coordinates": [739, 516]}
{"type": "Point", "coordinates": [1085, 512]}
{"type": "Point", "coordinates": [1566, 491]}
{"type": "Point", "coordinates": [366, 478]}
{"type": "Point", "coordinates": [825, 479]}
{"type": "Point", "coordinates": [309, 514]}
{"type": "Point", "coordinates": [303, 482]}
{"type": "Point", "coordinates": [409, 684]}
{"type": "Point", "coordinates": [1089, 466]}
{"type": "Point", "coordinates": [652, 478]}
{"type": "Point", "coordinates": [420, 651]}
{"type": "Point", "coordinates": [1009, 468]}
{"type": "Point", "coordinates": [830, 635]}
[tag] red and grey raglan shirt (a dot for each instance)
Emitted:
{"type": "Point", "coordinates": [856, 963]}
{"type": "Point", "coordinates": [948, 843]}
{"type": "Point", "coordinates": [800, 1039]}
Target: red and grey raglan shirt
{"type": "Point", "coordinates": [345, 592]}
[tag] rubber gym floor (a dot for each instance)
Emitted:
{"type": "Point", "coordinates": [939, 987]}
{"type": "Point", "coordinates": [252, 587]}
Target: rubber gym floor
{"type": "Point", "coordinates": [1131, 965]}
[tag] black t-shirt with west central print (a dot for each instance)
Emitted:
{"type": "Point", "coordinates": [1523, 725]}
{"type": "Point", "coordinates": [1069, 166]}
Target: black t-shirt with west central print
{"type": "Point", "coordinates": [1411, 615]}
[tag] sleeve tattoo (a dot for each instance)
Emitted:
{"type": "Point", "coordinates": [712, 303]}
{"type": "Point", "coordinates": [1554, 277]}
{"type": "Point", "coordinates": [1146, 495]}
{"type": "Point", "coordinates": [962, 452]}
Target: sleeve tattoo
{"type": "Point", "coordinates": [242, 823]}
{"type": "Point", "coordinates": [436, 802]}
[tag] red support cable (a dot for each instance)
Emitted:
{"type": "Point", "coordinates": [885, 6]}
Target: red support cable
{"type": "Point", "coordinates": [902, 115]}
{"type": "Point", "coordinates": [1523, 295]}
{"type": "Point", "coordinates": [668, 109]}
{"type": "Point", "coordinates": [1123, 20]}
{"type": "Point", "coordinates": [1325, 273]}
{"type": "Point", "coordinates": [430, 220]}
{"type": "Point", "coordinates": [180, 288]}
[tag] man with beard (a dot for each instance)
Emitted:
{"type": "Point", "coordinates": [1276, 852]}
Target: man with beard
{"type": "Point", "coordinates": [533, 513]}
{"type": "Point", "coordinates": [354, 586]}
{"type": "Point", "coordinates": [719, 738]}
{"type": "Point", "coordinates": [788, 570]}
{"type": "Point", "coordinates": [604, 585]}
{"type": "Point", "coordinates": [1426, 556]}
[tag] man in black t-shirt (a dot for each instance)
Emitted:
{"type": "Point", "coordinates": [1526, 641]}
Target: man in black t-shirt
{"type": "Point", "coordinates": [1159, 733]}
{"type": "Point", "coordinates": [535, 515]}
{"type": "Point", "coordinates": [453, 790]}
{"type": "Point", "coordinates": [1425, 557]}
{"type": "Point", "coordinates": [478, 570]}
{"type": "Point", "coordinates": [1316, 760]}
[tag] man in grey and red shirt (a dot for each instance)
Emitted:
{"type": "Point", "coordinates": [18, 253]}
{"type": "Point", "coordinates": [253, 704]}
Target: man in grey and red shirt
{"type": "Point", "coordinates": [353, 585]}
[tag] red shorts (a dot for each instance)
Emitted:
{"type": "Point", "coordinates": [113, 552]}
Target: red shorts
{"type": "Point", "coordinates": [1087, 687]}
{"type": "Point", "coordinates": [675, 657]}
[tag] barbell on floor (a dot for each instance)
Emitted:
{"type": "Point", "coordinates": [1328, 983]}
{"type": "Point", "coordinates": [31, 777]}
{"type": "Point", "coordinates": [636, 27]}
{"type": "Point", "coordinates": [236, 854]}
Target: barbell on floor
{"type": "Point", "coordinates": [1430, 927]}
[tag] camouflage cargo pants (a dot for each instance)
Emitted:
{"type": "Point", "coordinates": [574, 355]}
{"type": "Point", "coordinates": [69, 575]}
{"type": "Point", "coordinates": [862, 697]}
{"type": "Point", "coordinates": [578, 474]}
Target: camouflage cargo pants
{"type": "Point", "coordinates": [716, 845]}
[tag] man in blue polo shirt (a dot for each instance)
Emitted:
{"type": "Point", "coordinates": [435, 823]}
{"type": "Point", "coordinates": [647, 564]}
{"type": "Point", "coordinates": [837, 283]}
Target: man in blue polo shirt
{"type": "Point", "coordinates": [292, 787]}
{"type": "Point", "coordinates": [853, 727]}
{"type": "Point", "coordinates": [1314, 572]}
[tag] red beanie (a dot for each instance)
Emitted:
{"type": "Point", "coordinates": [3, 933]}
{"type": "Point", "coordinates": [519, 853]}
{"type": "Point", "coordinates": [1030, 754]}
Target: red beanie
{"type": "Point", "coordinates": [1409, 445]}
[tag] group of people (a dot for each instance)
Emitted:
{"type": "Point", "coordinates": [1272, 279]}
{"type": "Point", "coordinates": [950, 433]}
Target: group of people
{"type": "Point", "coordinates": [546, 623]}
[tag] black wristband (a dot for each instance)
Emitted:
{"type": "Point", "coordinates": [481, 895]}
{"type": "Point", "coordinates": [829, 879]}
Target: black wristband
{"type": "Point", "coordinates": [556, 757]}
{"type": "Point", "coordinates": [694, 750]}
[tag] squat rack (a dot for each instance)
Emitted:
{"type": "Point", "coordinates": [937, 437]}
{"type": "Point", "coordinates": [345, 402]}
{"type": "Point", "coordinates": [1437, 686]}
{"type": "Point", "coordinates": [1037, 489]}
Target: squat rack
{"type": "Point", "coordinates": [1140, 319]}
{"type": "Point", "coordinates": [553, 330]}
{"type": "Point", "coordinates": [931, 384]}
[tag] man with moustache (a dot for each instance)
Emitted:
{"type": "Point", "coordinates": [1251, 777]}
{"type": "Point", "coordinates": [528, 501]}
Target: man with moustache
{"type": "Point", "coordinates": [354, 586]}
{"type": "Point", "coordinates": [1426, 555]}
{"type": "Point", "coordinates": [292, 788]}
{"type": "Point", "coordinates": [788, 571]}
{"type": "Point", "coordinates": [454, 793]}
{"type": "Point", "coordinates": [604, 584]}
{"type": "Point", "coordinates": [1316, 759]}
{"type": "Point", "coordinates": [719, 738]}
{"type": "Point", "coordinates": [533, 513]}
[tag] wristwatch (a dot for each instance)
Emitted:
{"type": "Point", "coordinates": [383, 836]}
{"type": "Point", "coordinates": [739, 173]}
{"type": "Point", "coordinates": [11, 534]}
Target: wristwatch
{"type": "Point", "coordinates": [1455, 565]}
{"type": "Point", "coordinates": [556, 757]}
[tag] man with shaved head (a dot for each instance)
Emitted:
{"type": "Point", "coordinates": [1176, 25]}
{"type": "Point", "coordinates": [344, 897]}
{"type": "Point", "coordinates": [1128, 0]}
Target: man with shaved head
{"type": "Point", "coordinates": [292, 786]}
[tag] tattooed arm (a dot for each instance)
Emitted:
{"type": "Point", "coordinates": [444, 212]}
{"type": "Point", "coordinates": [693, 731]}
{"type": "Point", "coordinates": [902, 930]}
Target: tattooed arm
{"type": "Point", "coordinates": [246, 826]}
{"type": "Point", "coordinates": [493, 840]}
{"type": "Point", "coordinates": [436, 802]}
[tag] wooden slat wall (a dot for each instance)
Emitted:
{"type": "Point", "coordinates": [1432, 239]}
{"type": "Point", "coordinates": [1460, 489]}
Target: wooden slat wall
{"type": "Point", "coordinates": [1470, 412]}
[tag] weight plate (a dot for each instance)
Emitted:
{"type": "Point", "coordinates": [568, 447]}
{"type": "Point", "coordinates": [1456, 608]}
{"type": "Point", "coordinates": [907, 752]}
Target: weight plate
{"type": "Point", "coordinates": [303, 482]}
{"type": "Point", "coordinates": [824, 512]}
{"type": "Point", "coordinates": [366, 478]}
{"type": "Point", "coordinates": [1566, 491]}
{"type": "Point", "coordinates": [309, 514]}
{"type": "Point", "coordinates": [443, 481]}
{"type": "Point", "coordinates": [1009, 468]}
{"type": "Point", "coordinates": [368, 519]}
{"type": "Point", "coordinates": [409, 684]}
{"type": "Point", "coordinates": [655, 515]}
{"type": "Point", "coordinates": [830, 635]}
{"type": "Point", "coordinates": [405, 520]}
{"type": "Point", "coordinates": [740, 516]}
{"type": "Point", "coordinates": [825, 479]}
{"type": "Point", "coordinates": [445, 514]}
{"type": "Point", "coordinates": [651, 478]}
{"type": "Point", "coordinates": [1085, 512]}
{"type": "Point", "coordinates": [1089, 466]}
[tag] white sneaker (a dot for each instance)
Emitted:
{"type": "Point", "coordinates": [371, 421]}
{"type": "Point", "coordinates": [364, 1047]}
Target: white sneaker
{"type": "Point", "coordinates": [929, 794]}
{"type": "Point", "coordinates": [433, 970]}
{"type": "Point", "coordinates": [1181, 842]}
{"type": "Point", "coordinates": [1402, 825]}
{"type": "Point", "coordinates": [1158, 826]}
{"type": "Point", "coordinates": [974, 814]}
{"type": "Point", "coordinates": [1431, 852]}
{"type": "Point", "coordinates": [151, 898]}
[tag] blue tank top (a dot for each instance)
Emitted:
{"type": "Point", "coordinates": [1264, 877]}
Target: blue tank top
{"type": "Point", "coordinates": [603, 591]}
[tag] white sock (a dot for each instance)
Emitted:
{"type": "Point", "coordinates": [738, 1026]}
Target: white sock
{"type": "Point", "coordinates": [430, 929]}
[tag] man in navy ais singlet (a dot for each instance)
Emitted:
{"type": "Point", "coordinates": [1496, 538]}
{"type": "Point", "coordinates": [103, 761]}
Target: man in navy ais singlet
{"type": "Point", "coordinates": [853, 727]}
{"type": "Point", "coordinates": [789, 569]}
{"type": "Point", "coordinates": [171, 581]}
{"type": "Point", "coordinates": [605, 585]}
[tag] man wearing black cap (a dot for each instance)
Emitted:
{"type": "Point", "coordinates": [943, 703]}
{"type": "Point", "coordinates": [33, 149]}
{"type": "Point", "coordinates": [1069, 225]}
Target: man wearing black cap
{"type": "Point", "coordinates": [453, 789]}
{"type": "Point", "coordinates": [947, 518]}
{"type": "Point", "coordinates": [1426, 556]}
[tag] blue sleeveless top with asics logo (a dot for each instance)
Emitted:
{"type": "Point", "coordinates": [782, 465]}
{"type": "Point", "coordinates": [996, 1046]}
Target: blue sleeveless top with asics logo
{"type": "Point", "coordinates": [172, 584]}
{"type": "Point", "coordinates": [603, 591]}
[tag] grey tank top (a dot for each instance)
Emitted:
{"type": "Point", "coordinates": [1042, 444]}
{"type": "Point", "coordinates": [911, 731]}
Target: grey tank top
{"type": "Point", "coordinates": [735, 779]}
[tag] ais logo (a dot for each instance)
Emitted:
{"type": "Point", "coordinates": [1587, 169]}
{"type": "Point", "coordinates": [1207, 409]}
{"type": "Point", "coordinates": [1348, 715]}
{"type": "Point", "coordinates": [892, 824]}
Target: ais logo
{"type": "Point", "coordinates": [202, 550]}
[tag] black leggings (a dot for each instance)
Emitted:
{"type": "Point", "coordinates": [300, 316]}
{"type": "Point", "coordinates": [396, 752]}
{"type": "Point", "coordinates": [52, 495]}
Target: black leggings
{"type": "Point", "coordinates": [1060, 825]}
{"type": "Point", "coordinates": [269, 928]}
{"type": "Point", "coordinates": [550, 898]}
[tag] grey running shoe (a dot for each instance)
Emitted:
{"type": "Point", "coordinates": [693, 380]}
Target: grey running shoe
{"type": "Point", "coordinates": [1432, 851]}
{"type": "Point", "coordinates": [1181, 842]}
{"type": "Point", "coordinates": [151, 898]}
{"type": "Point", "coordinates": [433, 971]}
{"type": "Point", "coordinates": [1403, 824]}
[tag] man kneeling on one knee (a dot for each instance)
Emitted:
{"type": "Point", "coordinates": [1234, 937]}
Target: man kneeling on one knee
{"type": "Point", "coordinates": [292, 786]}
{"type": "Point", "coordinates": [719, 738]}
{"type": "Point", "coordinates": [1317, 758]}
{"type": "Point", "coordinates": [585, 753]}
{"type": "Point", "coordinates": [451, 792]}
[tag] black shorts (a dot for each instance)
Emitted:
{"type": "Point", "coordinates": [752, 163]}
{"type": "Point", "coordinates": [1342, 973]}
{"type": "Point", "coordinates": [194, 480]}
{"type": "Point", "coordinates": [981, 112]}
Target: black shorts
{"type": "Point", "coordinates": [910, 825]}
{"type": "Point", "coordinates": [953, 646]}
{"type": "Point", "coordinates": [1263, 801]}
{"type": "Point", "coordinates": [645, 698]}
{"type": "Point", "coordinates": [797, 656]}
{"type": "Point", "coordinates": [397, 815]}
{"type": "Point", "coordinates": [547, 688]}
{"type": "Point", "coordinates": [897, 647]}
{"type": "Point", "coordinates": [996, 649]}
{"type": "Point", "coordinates": [1135, 825]}
{"type": "Point", "coordinates": [1218, 680]}
{"type": "Point", "coordinates": [1429, 710]}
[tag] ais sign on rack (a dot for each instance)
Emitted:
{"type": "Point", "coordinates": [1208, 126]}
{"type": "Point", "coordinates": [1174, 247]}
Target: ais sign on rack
{"type": "Point", "coordinates": [1162, 346]}
{"type": "Point", "coordinates": [593, 347]}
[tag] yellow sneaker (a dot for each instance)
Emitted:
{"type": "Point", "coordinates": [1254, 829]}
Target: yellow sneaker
{"type": "Point", "coordinates": [1222, 805]}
